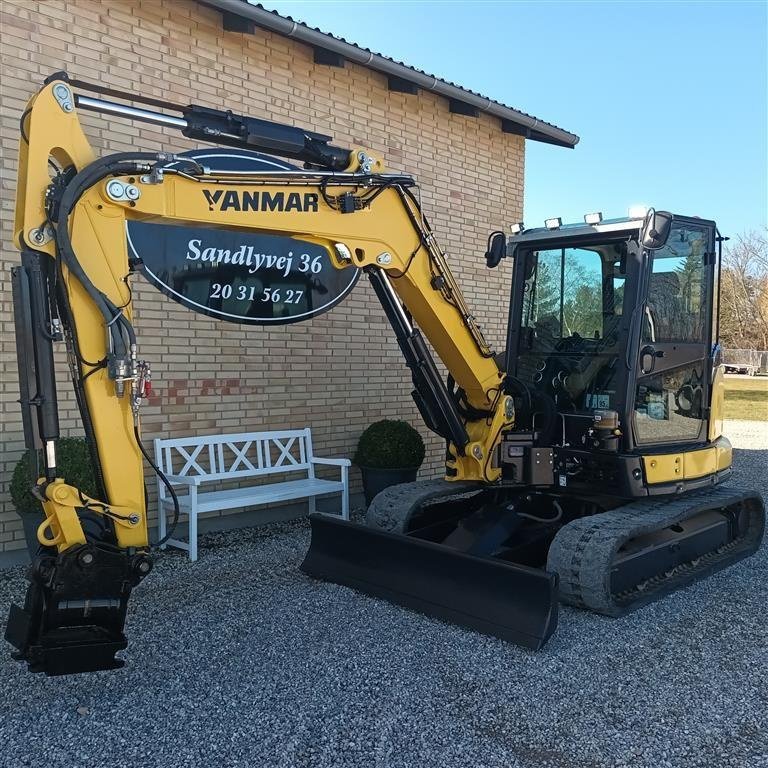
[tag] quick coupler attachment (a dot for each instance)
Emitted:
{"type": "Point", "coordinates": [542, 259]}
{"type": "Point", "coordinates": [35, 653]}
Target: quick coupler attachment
{"type": "Point", "coordinates": [74, 613]}
{"type": "Point", "coordinates": [512, 602]}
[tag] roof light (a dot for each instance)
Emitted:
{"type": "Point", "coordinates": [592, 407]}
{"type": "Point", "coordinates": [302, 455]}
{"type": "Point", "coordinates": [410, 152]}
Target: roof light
{"type": "Point", "coordinates": [593, 218]}
{"type": "Point", "coordinates": [638, 211]}
{"type": "Point", "coordinates": [553, 223]}
{"type": "Point", "coordinates": [516, 229]}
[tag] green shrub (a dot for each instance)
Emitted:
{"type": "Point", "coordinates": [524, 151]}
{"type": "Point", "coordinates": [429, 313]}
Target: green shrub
{"type": "Point", "coordinates": [74, 465]}
{"type": "Point", "coordinates": [390, 444]}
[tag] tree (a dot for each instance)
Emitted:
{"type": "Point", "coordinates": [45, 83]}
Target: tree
{"type": "Point", "coordinates": [744, 293]}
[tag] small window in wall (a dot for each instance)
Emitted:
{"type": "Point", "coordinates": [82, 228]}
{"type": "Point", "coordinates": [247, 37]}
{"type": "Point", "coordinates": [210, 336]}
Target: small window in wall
{"type": "Point", "coordinates": [678, 308]}
{"type": "Point", "coordinates": [668, 405]}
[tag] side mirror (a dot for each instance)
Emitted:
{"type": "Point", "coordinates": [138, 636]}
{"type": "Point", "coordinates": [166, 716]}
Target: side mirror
{"type": "Point", "coordinates": [656, 229]}
{"type": "Point", "coordinates": [497, 249]}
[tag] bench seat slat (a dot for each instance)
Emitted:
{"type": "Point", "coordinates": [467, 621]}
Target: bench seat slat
{"type": "Point", "coordinates": [244, 474]}
{"type": "Point", "coordinates": [208, 501]}
{"type": "Point", "coordinates": [241, 437]}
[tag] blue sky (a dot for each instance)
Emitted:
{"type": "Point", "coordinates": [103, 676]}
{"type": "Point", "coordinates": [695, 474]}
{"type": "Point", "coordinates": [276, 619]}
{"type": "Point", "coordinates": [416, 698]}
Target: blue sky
{"type": "Point", "coordinates": [669, 98]}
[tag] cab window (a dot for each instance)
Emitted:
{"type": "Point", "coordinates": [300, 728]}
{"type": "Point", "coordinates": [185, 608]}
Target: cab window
{"type": "Point", "coordinates": [564, 296]}
{"type": "Point", "coordinates": [668, 405]}
{"type": "Point", "coordinates": [677, 309]}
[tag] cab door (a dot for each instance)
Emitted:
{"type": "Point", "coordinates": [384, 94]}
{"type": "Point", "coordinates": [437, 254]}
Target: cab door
{"type": "Point", "coordinates": [676, 344]}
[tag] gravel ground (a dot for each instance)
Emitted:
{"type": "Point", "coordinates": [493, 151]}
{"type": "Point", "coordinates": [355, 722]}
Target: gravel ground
{"type": "Point", "coordinates": [239, 660]}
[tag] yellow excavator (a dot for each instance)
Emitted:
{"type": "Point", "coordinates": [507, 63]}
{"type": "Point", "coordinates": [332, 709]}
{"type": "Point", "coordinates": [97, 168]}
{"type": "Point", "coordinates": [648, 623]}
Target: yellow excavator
{"type": "Point", "coordinates": [583, 464]}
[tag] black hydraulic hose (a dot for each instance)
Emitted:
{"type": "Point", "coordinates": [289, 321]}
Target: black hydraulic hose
{"type": "Point", "coordinates": [90, 436]}
{"type": "Point", "coordinates": [166, 483]}
{"type": "Point", "coordinates": [80, 183]}
{"type": "Point", "coordinates": [448, 280]}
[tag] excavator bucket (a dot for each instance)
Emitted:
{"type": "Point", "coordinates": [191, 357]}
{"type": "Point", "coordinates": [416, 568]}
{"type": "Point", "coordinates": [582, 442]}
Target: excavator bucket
{"type": "Point", "coordinates": [495, 597]}
{"type": "Point", "coordinates": [73, 615]}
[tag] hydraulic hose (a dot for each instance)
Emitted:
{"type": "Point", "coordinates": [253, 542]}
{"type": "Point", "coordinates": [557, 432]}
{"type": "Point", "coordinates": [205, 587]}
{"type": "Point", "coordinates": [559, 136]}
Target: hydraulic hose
{"type": "Point", "coordinates": [118, 327]}
{"type": "Point", "coordinates": [167, 483]}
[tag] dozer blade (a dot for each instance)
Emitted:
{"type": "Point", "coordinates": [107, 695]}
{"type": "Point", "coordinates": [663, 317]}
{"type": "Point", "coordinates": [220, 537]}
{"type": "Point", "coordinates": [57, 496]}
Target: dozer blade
{"type": "Point", "coordinates": [498, 598]}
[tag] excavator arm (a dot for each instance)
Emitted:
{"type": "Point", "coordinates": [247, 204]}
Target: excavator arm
{"type": "Point", "coordinates": [72, 210]}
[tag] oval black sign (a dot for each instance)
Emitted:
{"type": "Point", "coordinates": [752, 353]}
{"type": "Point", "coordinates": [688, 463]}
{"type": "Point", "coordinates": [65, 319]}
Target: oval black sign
{"type": "Point", "coordinates": [236, 275]}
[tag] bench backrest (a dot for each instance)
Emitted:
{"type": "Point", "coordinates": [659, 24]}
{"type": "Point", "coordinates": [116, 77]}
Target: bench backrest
{"type": "Point", "coordinates": [223, 457]}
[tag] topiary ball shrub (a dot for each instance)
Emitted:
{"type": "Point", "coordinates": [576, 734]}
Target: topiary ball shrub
{"type": "Point", "coordinates": [74, 465]}
{"type": "Point", "coordinates": [390, 444]}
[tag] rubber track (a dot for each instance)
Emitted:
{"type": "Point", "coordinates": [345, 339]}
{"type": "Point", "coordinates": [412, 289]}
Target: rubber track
{"type": "Point", "coordinates": [391, 510]}
{"type": "Point", "coordinates": [582, 553]}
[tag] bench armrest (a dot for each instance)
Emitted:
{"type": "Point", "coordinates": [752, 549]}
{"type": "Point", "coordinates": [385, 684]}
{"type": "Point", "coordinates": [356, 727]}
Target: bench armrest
{"type": "Point", "coordinates": [183, 480]}
{"type": "Point", "coordinates": [332, 462]}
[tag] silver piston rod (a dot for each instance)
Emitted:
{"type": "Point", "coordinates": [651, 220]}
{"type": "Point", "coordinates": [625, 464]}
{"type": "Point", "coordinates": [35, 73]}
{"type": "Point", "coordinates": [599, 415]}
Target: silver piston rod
{"type": "Point", "coordinates": [132, 113]}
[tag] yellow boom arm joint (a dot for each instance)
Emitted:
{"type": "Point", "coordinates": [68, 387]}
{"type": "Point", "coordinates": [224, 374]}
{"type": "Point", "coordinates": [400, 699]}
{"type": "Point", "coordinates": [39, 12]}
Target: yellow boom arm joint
{"type": "Point", "coordinates": [62, 527]}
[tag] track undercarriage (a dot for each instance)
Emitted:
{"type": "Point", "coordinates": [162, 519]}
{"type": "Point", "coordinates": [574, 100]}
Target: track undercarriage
{"type": "Point", "coordinates": [499, 560]}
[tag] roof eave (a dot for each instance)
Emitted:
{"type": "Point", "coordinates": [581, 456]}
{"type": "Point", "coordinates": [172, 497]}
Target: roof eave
{"type": "Point", "coordinates": [530, 127]}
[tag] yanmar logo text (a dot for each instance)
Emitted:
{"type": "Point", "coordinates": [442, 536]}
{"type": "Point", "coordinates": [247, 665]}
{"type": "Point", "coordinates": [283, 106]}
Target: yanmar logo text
{"type": "Point", "coordinates": [234, 200]}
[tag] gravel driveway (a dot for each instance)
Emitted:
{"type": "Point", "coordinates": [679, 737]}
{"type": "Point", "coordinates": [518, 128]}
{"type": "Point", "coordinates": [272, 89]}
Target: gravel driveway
{"type": "Point", "coordinates": [240, 660]}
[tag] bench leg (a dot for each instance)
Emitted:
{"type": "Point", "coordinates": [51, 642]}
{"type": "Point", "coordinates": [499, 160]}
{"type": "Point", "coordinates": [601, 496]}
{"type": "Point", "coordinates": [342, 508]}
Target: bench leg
{"type": "Point", "coordinates": [193, 524]}
{"type": "Point", "coordinates": [312, 505]}
{"type": "Point", "coordinates": [193, 535]}
{"type": "Point", "coordinates": [161, 522]}
{"type": "Point", "coordinates": [345, 494]}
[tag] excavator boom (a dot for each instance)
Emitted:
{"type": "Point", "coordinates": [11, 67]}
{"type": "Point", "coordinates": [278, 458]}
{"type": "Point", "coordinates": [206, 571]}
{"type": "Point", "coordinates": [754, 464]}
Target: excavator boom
{"type": "Point", "coordinates": [72, 286]}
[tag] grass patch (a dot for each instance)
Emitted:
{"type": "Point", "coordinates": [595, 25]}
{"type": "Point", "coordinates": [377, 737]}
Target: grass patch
{"type": "Point", "coordinates": [746, 398]}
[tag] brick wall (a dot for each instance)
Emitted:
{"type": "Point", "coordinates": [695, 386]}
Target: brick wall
{"type": "Point", "coordinates": [335, 373]}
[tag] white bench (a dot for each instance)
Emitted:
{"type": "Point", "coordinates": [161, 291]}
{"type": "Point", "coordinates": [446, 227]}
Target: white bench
{"type": "Point", "coordinates": [196, 462]}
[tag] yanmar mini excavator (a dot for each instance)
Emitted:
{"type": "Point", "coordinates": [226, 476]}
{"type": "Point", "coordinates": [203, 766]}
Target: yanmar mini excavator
{"type": "Point", "coordinates": [584, 464]}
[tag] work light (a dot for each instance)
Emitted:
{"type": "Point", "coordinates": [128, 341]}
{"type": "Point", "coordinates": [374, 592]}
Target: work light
{"type": "Point", "coordinates": [553, 223]}
{"type": "Point", "coordinates": [593, 218]}
{"type": "Point", "coordinates": [516, 229]}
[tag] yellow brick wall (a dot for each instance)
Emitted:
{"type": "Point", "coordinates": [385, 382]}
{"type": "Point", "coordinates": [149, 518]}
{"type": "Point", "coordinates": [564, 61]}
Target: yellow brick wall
{"type": "Point", "coordinates": [335, 373]}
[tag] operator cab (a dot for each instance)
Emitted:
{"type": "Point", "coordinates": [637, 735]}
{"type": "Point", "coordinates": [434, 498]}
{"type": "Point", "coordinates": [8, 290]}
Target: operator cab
{"type": "Point", "coordinates": [611, 332]}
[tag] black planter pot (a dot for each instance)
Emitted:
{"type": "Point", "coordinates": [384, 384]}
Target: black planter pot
{"type": "Point", "coordinates": [376, 480]}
